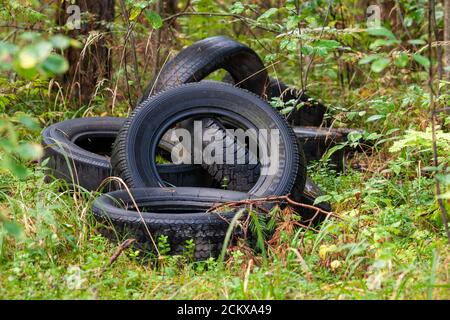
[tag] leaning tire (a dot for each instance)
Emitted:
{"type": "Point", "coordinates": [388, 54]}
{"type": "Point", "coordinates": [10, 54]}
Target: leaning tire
{"type": "Point", "coordinates": [196, 62]}
{"type": "Point", "coordinates": [200, 59]}
{"type": "Point", "coordinates": [78, 151]}
{"type": "Point", "coordinates": [136, 144]}
{"type": "Point", "coordinates": [311, 113]}
{"type": "Point", "coordinates": [177, 213]}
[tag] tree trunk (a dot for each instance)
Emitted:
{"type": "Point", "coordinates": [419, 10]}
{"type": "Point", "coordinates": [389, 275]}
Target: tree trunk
{"type": "Point", "coordinates": [87, 70]}
{"type": "Point", "coordinates": [164, 37]}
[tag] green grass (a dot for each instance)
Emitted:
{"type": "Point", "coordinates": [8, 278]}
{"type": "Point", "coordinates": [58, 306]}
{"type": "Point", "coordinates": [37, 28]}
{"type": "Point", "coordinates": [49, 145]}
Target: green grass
{"type": "Point", "coordinates": [383, 248]}
{"type": "Point", "coordinates": [389, 243]}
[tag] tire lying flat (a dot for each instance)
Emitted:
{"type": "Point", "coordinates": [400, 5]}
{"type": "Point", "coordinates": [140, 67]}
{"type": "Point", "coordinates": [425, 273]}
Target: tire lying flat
{"type": "Point", "coordinates": [178, 213]}
{"type": "Point", "coordinates": [66, 145]}
{"type": "Point", "coordinates": [136, 143]}
{"type": "Point", "coordinates": [78, 151]}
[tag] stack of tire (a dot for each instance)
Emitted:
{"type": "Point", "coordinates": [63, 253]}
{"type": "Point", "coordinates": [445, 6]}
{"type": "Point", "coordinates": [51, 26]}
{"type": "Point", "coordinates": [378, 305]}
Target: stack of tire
{"type": "Point", "coordinates": [173, 199]}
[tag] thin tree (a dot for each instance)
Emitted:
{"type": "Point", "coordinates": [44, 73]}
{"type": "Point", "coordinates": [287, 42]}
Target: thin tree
{"type": "Point", "coordinates": [91, 64]}
{"type": "Point", "coordinates": [447, 37]}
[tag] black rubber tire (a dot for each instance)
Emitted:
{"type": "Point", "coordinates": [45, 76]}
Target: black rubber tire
{"type": "Point", "coordinates": [136, 143]}
{"type": "Point", "coordinates": [203, 57]}
{"type": "Point", "coordinates": [196, 62]}
{"type": "Point", "coordinates": [310, 114]}
{"type": "Point", "coordinates": [239, 177]}
{"type": "Point", "coordinates": [78, 151]}
{"type": "Point", "coordinates": [164, 216]}
{"type": "Point", "coordinates": [317, 141]}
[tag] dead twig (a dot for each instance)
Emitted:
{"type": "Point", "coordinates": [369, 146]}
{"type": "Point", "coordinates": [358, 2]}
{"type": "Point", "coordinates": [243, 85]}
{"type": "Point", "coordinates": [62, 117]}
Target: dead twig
{"type": "Point", "coordinates": [271, 199]}
{"type": "Point", "coordinates": [124, 245]}
{"type": "Point", "coordinates": [219, 14]}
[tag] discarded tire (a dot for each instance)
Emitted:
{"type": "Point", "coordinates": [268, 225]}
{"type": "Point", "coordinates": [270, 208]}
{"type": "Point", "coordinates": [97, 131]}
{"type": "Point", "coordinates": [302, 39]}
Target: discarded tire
{"type": "Point", "coordinates": [137, 141]}
{"type": "Point", "coordinates": [177, 213]}
{"type": "Point", "coordinates": [200, 59]}
{"type": "Point", "coordinates": [311, 113]}
{"type": "Point", "coordinates": [78, 151]}
{"type": "Point", "coordinates": [196, 62]}
{"type": "Point", "coordinates": [176, 98]}
{"type": "Point", "coordinates": [317, 141]}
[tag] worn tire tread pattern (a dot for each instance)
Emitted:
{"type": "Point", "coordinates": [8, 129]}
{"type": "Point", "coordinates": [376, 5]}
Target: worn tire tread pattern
{"type": "Point", "coordinates": [294, 187]}
{"type": "Point", "coordinates": [206, 229]}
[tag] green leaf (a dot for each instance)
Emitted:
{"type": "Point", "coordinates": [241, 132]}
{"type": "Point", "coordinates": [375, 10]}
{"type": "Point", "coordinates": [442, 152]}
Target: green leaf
{"type": "Point", "coordinates": [417, 41]}
{"type": "Point", "coordinates": [401, 60]}
{"type": "Point", "coordinates": [142, 4]}
{"type": "Point", "coordinates": [321, 199]}
{"type": "Point", "coordinates": [292, 22]}
{"type": "Point", "coordinates": [444, 196]}
{"type": "Point", "coordinates": [382, 43]}
{"type": "Point", "coordinates": [270, 57]}
{"type": "Point", "coordinates": [291, 45]}
{"type": "Point", "coordinates": [60, 42]}
{"type": "Point", "coordinates": [30, 36]}
{"type": "Point", "coordinates": [8, 145]}
{"type": "Point", "coordinates": [31, 55]}
{"type": "Point", "coordinates": [321, 51]}
{"type": "Point", "coordinates": [379, 65]}
{"type": "Point", "coordinates": [354, 136]}
{"type": "Point", "coordinates": [12, 228]}
{"type": "Point", "coordinates": [375, 117]}
{"type": "Point", "coordinates": [134, 14]}
{"type": "Point", "coordinates": [286, 110]}
{"type": "Point", "coordinates": [369, 58]}
{"type": "Point", "coordinates": [14, 167]}
{"type": "Point", "coordinates": [30, 151]}
{"type": "Point", "coordinates": [55, 64]}
{"type": "Point", "coordinates": [306, 49]}
{"type": "Point", "coordinates": [237, 8]}
{"type": "Point", "coordinates": [329, 44]}
{"type": "Point", "coordinates": [43, 50]}
{"type": "Point", "coordinates": [423, 61]}
{"type": "Point", "coordinates": [331, 73]}
{"type": "Point", "coordinates": [7, 51]}
{"type": "Point", "coordinates": [266, 15]}
{"type": "Point", "coordinates": [29, 122]}
{"type": "Point", "coordinates": [27, 58]}
{"type": "Point", "coordinates": [29, 73]}
{"type": "Point", "coordinates": [76, 44]}
{"type": "Point", "coordinates": [154, 19]}
{"type": "Point", "coordinates": [332, 150]}
{"type": "Point", "coordinates": [373, 136]}
{"type": "Point", "coordinates": [381, 32]}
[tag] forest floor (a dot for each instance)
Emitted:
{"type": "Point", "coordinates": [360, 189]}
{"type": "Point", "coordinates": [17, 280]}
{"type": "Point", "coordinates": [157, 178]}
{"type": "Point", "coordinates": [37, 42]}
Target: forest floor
{"type": "Point", "coordinates": [388, 244]}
